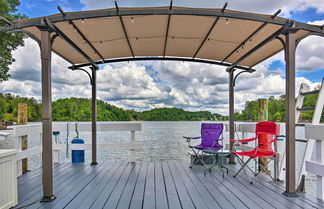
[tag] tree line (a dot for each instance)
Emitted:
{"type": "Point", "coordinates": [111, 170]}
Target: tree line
{"type": "Point", "coordinates": [276, 110]}
{"type": "Point", "coordinates": [79, 109]}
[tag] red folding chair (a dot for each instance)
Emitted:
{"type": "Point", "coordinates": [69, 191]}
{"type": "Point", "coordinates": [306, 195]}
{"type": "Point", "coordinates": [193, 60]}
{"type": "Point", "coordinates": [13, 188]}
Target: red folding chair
{"type": "Point", "coordinates": [266, 134]}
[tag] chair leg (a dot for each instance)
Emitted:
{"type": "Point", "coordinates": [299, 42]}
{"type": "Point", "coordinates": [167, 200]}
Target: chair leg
{"type": "Point", "coordinates": [197, 158]}
{"type": "Point", "coordinates": [242, 163]}
{"type": "Point", "coordinates": [245, 164]}
{"type": "Point", "coordinates": [263, 168]}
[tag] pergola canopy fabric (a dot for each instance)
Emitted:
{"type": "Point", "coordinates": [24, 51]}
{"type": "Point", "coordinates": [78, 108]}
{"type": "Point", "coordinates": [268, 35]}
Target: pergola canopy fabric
{"type": "Point", "coordinates": [205, 34]}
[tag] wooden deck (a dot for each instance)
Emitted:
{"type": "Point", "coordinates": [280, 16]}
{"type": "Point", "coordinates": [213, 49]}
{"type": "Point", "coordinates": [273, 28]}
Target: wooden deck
{"type": "Point", "coordinates": [158, 185]}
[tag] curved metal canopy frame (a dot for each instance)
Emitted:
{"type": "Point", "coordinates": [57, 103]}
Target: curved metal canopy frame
{"type": "Point", "coordinates": [183, 59]}
{"type": "Point", "coordinates": [162, 11]}
{"type": "Point", "coordinates": [70, 16]}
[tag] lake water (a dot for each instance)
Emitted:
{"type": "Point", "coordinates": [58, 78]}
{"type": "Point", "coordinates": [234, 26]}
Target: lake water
{"type": "Point", "coordinates": [158, 141]}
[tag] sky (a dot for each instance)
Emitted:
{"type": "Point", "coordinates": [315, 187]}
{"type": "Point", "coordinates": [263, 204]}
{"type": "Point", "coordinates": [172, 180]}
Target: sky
{"type": "Point", "coordinates": [152, 84]}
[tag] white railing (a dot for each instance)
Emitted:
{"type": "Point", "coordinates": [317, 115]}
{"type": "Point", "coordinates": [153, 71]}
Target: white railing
{"type": "Point", "coordinates": [17, 132]}
{"type": "Point", "coordinates": [8, 179]}
{"type": "Point", "coordinates": [317, 167]}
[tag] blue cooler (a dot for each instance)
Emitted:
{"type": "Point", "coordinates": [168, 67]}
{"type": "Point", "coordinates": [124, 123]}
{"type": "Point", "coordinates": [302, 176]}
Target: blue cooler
{"type": "Point", "coordinates": [77, 155]}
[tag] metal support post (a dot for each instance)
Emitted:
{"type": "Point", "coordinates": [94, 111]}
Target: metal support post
{"type": "Point", "coordinates": [46, 49]}
{"type": "Point", "coordinates": [94, 114]}
{"type": "Point", "coordinates": [290, 52]}
{"type": "Point", "coordinates": [231, 112]}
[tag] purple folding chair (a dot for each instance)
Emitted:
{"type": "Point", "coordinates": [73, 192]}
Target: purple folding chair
{"type": "Point", "coordinates": [211, 134]}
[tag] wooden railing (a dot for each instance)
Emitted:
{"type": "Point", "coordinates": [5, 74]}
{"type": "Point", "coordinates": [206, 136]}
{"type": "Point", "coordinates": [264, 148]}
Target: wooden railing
{"type": "Point", "coordinates": [17, 132]}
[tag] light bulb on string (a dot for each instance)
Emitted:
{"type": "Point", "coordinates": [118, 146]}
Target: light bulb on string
{"type": "Point", "coordinates": [132, 18]}
{"type": "Point", "coordinates": [82, 20]}
{"type": "Point", "coordinates": [226, 21]}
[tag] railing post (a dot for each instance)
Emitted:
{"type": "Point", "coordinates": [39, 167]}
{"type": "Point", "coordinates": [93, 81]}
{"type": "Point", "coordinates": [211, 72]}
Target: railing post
{"type": "Point", "coordinates": [263, 116]}
{"type": "Point", "coordinates": [132, 135]}
{"type": "Point", "coordinates": [47, 158]}
{"type": "Point", "coordinates": [17, 139]}
{"type": "Point", "coordinates": [290, 53]}
{"type": "Point", "coordinates": [22, 120]}
{"type": "Point", "coordinates": [320, 160]}
{"type": "Point", "coordinates": [57, 154]}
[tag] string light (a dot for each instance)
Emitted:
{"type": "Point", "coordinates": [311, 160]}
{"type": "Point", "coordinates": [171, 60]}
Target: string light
{"type": "Point", "coordinates": [82, 20]}
{"type": "Point", "coordinates": [226, 21]}
{"type": "Point", "coordinates": [132, 18]}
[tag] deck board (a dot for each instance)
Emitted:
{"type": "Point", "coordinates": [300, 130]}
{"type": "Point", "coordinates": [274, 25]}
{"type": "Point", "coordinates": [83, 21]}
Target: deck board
{"type": "Point", "coordinates": [195, 196]}
{"type": "Point", "coordinates": [115, 196]}
{"type": "Point", "coordinates": [159, 185]}
{"type": "Point", "coordinates": [149, 194]}
{"type": "Point", "coordinates": [161, 197]}
{"type": "Point", "coordinates": [90, 199]}
{"type": "Point", "coordinates": [59, 181]}
{"type": "Point", "coordinates": [127, 194]}
{"type": "Point", "coordinates": [89, 188]}
{"type": "Point", "coordinates": [138, 194]}
{"type": "Point", "coordinates": [102, 198]}
{"type": "Point", "coordinates": [171, 191]}
{"type": "Point", "coordinates": [183, 195]}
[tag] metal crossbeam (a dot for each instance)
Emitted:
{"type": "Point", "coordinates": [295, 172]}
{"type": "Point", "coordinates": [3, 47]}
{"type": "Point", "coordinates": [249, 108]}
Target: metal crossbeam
{"type": "Point", "coordinates": [264, 42]}
{"type": "Point", "coordinates": [250, 36]}
{"type": "Point", "coordinates": [206, 37]}
{"type": "Point", "coordinates": [124, 29]}
{"type": "Point", "coordinates": [81, 34]}
{"type": "Point", "coordinates": [162, 59]}
{"type": "Point", "coordinates": [243, 42]}
{"type": "Point", "coordinates": [69, 41]}
{"type": "Point", "coordinates": [167, 31]}
{"type": "Point", "coordinates": [209, 31]}
{"type": "Point", "coordinates": [154, 11]}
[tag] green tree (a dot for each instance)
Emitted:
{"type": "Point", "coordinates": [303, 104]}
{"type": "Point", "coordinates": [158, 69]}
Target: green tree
{"type": "Point", "coordinates": [8, 41]}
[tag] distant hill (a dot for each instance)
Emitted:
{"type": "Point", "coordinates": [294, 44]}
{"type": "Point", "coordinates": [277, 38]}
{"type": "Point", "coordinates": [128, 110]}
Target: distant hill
{"type": "Point", "coordinates": [79, 109]}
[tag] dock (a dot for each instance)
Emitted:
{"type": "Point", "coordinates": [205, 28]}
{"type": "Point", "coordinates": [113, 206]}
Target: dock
{"type": "Point", "coordinates": [150, 185]}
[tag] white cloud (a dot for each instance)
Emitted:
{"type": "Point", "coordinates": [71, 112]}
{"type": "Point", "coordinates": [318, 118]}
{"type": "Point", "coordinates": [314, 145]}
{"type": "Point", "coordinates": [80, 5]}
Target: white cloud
{"type": "Point", "coordinates": [309, 56]}
{"type": "Point", "coordinates": [257, 6]}
{"type": "Point", "coordinates": [146, 85]}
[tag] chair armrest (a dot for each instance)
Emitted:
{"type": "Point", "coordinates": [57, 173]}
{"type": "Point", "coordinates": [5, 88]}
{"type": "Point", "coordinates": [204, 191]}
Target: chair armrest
{"type": "Point", "coordinates": [189, 138]}
{"type": "Point", "coordinates": [192, 137]}
{"type": "Point", "coordinates": [243, 140]}
{"type": "Point", "coordinates": [280, 137]}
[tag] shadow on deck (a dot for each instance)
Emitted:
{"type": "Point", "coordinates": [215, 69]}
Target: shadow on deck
{"type": "Point", "coordinates": [153, 185]}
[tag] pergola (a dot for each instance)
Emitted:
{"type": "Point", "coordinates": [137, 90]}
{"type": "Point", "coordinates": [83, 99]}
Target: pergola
{"type": "Point", "coordinates": [237, 40]}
